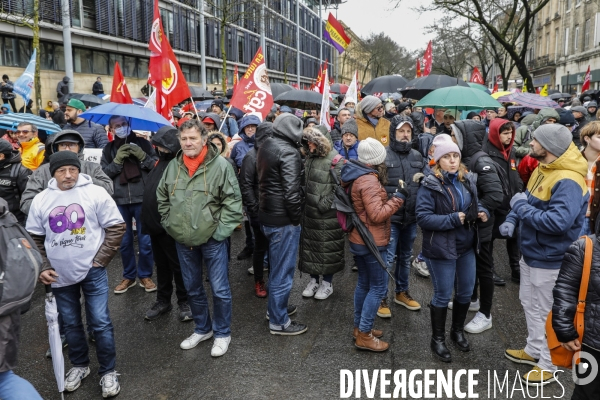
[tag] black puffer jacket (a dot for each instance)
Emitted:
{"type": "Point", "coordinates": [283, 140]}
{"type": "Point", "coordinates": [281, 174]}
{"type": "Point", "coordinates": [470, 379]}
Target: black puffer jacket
{"type": "Point", "coordinates": [132, 192]}
{"type": "Point", "coordinates": [566, 294]}
{"type": "Point", "coordinates": [469, 136]}
{"type": "Point", "coordinates": [248, 177]}
{"type": "Point", "coordinates": [165, 137]}
{"type": "Point", "coordinates": [336, 132]}
{"type": "Point", "coordinates": [403, 162]}
{"type": "Point", "coordinates": [279, 167]}
{"type": "Point", "coordinates": [11, 188]}
{"type": "Point", "coordinates": [418, 122]}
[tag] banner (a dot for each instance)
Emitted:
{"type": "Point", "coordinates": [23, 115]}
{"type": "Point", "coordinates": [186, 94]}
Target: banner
{"type": "Point", "coordinates": [334, 33]}
{"type": "Point", "coordinates": [325, 103]}
{"type": "Point", "coordinates": [428, 59]}
{"type": "Point", "coordinates": [351, 93]}
{"type": "Point", "coordinates": [24, 84]}
{"type": "Point", "coordinates": [159, 63]}
{"type": "Point", "coordinates": [476, 76]}
{"type": "Point", "coordinates": [586, 81]}
{"type": "Point", "coordinates": [254, 90]}
{"type": "Point", "coordinates": [418, 68]}
{"type": "Point", "coordinates": [119, 92]}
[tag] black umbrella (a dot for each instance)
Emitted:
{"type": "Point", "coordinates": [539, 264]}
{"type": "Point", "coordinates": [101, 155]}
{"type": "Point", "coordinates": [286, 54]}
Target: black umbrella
{"type": "Point", "coordinates": [199, 93]}
{"type": "Point", "coordinates": [302, 99]}
{"type": "Point", "coordinates": [384, 84]}
{"type": "Point", "coordinates": [421, 87]}
{"type": "Point", "coordinates": [89, 100]}
{"type": "Point", "coordinates": [280, 88]}
{"type": "Point", "coordinates": [343, 203]}
{"type": "Point", "coordinates": [556, 96]}
{"type": "Point", "coordinates": [594, 94]}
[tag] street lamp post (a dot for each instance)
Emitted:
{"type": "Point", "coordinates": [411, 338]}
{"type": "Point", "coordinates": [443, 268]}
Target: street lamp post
{"type": "Point", "coordinates": [568, 86]}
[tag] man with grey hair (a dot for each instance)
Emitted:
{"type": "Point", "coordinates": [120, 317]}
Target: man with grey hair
{"type": "Point", "coordinates": [200, 204]}
{"type": "Point", "coordinates": [342, 116]}
{"type": "Point", "coordinates": [368, 114]}
{"type": "Point", "coordinates": [549, 216]}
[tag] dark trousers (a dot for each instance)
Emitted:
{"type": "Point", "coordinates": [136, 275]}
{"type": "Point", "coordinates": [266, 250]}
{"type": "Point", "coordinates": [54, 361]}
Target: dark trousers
{"type": "Point", "coordinates": [590, 391]}
{"type": "Point", "coordinates": [12, 104]}
{"type": "Point", "coordinates": [249, 235]}
{"type": "Point", "coordinates": [484, 262]}
{"type": "Point", "coordinates": [167, 269]}
{"type": "Point", "coordinates": [261, 245]}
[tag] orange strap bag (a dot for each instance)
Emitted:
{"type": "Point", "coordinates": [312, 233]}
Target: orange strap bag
{"type": "Point", "coordinates": [562, 357]}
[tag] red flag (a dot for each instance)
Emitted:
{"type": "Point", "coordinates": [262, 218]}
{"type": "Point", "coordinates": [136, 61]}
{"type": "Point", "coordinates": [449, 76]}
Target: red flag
{"type": "Point", "coordinates": [319, 85]}
{"type": "Point", "coordinates": [476, 76]}
{"type": "Point", "coordinates": [119, 92]}
{"type": "Point", "coordinates": [295, 86]}
{"type": "Point", "coordinates": [495, 88]}
{"type": "Point", "coordinates": [428, 59]}
{"type": "Point", "coordinates": [254, 94]}
{"type": "Point", "coordinates": [418, 68]}
{"type": "Point", "coordinates": [172, 90]}
{"type": "Point", "coordinates": [159, 61]}
{"type": "Point", "coordinates": [537, 90]}
{"type": "Point", "coordinates": [586, 81]}
{"type": "Point", "coordinates": [235, 77]}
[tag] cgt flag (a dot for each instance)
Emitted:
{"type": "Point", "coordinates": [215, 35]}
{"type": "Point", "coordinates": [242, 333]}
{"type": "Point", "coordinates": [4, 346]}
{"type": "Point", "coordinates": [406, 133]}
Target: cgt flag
{"type": "Point", "coordinates": [586, 81]}
{"type": "Point", "coordinates": [253, 93]}
{"type": "Point", "coordinates": [24, 84]}
{"type": "Point", "coordinates": [428, 60]}
{"type": "Point", "coordinates": [476, 76]}
{"type": "Point", "coordinates": [334, 33]}
{"type": "Point", "coordinates": [119, 92]}
{"type": "Point", "coordinates": [159, 62]}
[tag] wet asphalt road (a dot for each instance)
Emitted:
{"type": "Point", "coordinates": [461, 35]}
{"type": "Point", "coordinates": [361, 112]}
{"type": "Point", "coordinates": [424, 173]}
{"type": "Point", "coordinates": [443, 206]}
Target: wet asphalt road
{"type": "Point", "coordinates": [259, 365]}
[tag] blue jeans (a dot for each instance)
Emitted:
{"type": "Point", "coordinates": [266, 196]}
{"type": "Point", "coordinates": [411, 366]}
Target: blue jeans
{"type": "Point", "coordinates": [585, 228]}
{"type": "Point", "coordinates": [146, 261]}
{"type": "Point", "coordinates": [13, 387]}
{"type": "Point", "coordinates": [283, 252]}
{"type": "Point", "coordinates": [370, 288]}
{"type": "Point", "coordinates": [452, 274]}
{"type": "Point", "coordinates": [214, 255]}
{"type": "Point", "coordinates": [401, 244]}
{"type": "Point", "coordinates": [95, 292]}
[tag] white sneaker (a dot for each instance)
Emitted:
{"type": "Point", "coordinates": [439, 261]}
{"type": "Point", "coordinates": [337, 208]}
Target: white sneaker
{"type": "Point", "coordinates": [311, 288]}
{"type": "Point", "coordinates": [479, 323]}
{"type": "Point", "coordinates": [251, 270]}
{"type": "Point", "coordinates": [220, 346]}
{"type": "Point", "coordinates": [110, 384]}
{"type": "Point", "coordinates": [325, 290]}
{"type": "Point", "coordinates": [74, 377]}
{"type": "Point", "coordinates": [474, 306]}
{"type": "Point", "coordinates": [420, 268]}
{"type": "Point", "coordinates": [193, 340]}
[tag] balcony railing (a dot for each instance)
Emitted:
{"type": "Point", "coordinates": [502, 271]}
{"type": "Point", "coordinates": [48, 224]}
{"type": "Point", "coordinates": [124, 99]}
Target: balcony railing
{"type": "Point", "coordinates": [543, 61]}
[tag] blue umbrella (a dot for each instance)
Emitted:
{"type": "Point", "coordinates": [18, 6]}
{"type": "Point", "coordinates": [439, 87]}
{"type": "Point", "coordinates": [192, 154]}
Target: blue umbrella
{"type": "Point", "coordinates": [140, 118]}
{"type": "Point", "coordinates": [11, 121]}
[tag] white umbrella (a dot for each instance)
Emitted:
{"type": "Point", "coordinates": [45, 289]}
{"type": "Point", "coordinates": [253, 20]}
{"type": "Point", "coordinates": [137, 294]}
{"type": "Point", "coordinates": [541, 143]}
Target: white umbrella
{"type": "Point", "coordinates": [58, 361]}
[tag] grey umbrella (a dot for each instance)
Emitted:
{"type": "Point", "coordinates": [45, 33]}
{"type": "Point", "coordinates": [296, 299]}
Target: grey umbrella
{"type": "Point", "coordinates": [302, 99]}
{"type": "Point", "coordinates": [279, 88]}
{"type": "Point", "coordinates": [89, 100]}
{"type": "Point", "coordinates": [199, 93]}
{"type": "Point", "coordinates": [58, 360]}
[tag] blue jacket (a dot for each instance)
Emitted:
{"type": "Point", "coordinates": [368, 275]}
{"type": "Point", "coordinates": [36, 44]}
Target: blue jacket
{"type": "Point", "coordinates": [241, 148]}
{"type": "Point", "coordinates": [551, 218]}
{"type": "Point", "coordinates": [438, 204]}
{"type": "Point", "coordinates": [351, 153]}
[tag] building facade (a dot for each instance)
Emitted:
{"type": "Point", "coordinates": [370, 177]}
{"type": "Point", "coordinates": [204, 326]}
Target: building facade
{"type": "Point", "coordinates": [105, 31]}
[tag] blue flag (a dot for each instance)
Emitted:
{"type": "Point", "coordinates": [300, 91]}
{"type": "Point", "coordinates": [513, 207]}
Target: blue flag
{"type": "Point", "coordinates": [24, 84]}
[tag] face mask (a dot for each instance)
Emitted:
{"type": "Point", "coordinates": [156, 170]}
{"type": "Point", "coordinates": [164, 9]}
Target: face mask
{"type": "Point", "coordinates": [122, 132]}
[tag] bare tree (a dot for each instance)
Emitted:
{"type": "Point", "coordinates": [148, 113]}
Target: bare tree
{"type": "Point", "coordinates": [28, 16]}
{"type": "Point", "coordinates": [385, 57]}
{"type": "Point", "coordinates": [451, 52]}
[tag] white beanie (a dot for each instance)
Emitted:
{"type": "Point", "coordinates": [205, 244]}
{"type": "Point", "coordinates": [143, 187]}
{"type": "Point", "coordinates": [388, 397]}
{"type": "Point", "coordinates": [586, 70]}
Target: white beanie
{"type": "Point", "coordinates": [371, 152]}
{"type": "Point", "coordinates": [442, 145]}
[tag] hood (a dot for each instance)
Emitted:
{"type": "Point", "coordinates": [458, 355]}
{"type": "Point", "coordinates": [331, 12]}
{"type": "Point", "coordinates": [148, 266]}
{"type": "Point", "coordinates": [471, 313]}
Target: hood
{"type": "Point", "coordinates": [7, 106]}
{"type": "Point", "coordinates": [543, 116]}
{"type": "Point", "coordinates": [5, 146]}
{"type": "Point", "coordinates": [247, 139]}
{"type": "Point", "coordinates": [263, 132]}
{"type": "Point", "coordinates": [323, 143]}
{"type": "Point", "coordinates": [469, 135]}
{"type": "Point", "coordinates": [290, 127]}
{"type": "Point", "coordinates": [166, 137]}
{"type": "Point", "coordinates": [53, 149]}
{"type": "Point", "coordinates": [83, 180]}
{"type": "Point", "coordinates": [325, 132]}
{"type": "Point", "coordinates": [248, 120]}
{"type": "Point", "coordinates": [215, 118]}
{"type": "Point", "coordinates": [13, 158]}
{"type": "Point", "coordinates": [354, 169]}
{"type": "Point", "coordinates": [571, 160]}
{"type": "Point", "coordinates": [66, 79]}
{"type": "Point", "coordinates": [494, 137]}
{"type": "Point", "coordinates": [394, 144]}
{"type": "Point", "coordinates": [528, 120]}
{"type": "Point", "coordinates": [418, 122]}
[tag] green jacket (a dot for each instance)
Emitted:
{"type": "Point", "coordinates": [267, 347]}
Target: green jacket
{"type": "Point", "coordinates": [529, 124]}
{"type": "Point", "coordinates": [209, 204]}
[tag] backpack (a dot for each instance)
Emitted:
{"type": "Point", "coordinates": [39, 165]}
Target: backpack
{"type": "Point", "coordinates": [342, 201]}
{"type": "Point", "coordinates": [20, 263]}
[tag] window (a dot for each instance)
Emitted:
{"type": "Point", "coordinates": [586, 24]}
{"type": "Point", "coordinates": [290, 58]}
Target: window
{"type": "Point", "coordinates": [100, 65]}
{"type": "Point", "coordinates": [142, 68]}
{"type": "Point", "coordinates": [577, 2]}
{"type": "Point", "coordinates": [113, 58]}
{"type": "Point", "coordinates": [129, 66]}
{"type": "Point", "coordinates": [76, 13]}
{"type": "Point", "coordinates": [82, 60]}
{"type": "Point", "coordinates": [576, 39]}
{"type": "Point", "coordinates": [547, 44]}
{"type": "Point", "coordinates": [10, 54]}
{"type": "Point", "coordinates": [566, 41]}
{"type": "Point", "coordinates": [568, 5]}
{"type": "Point", "coordinates": [586, 33]}
{"type": "Point", "coordinates": [24, 52]}
{"type": "Point", "coordinates": [556, 41]}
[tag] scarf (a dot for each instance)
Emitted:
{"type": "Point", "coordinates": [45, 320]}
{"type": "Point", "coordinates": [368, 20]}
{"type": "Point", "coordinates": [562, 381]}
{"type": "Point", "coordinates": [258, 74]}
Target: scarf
{"type": "Point", "coordinates": [192, 164]}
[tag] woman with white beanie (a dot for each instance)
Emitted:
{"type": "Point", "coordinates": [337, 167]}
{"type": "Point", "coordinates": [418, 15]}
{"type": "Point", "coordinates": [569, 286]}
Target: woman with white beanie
{"type": "Point", "coordinates": [365, 178]}
{"type": "Point", "coordinates": [447, 209]}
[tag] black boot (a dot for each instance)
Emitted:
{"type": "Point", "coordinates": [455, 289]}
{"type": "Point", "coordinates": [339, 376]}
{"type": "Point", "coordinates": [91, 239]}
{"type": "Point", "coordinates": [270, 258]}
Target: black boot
{"type": "Point", "coordinates": [438, 336]}
{"type": "Point", "coordinates": [457, 334]}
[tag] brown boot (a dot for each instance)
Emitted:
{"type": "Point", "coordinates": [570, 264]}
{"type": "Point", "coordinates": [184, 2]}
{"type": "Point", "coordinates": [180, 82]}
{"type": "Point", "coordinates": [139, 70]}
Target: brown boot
{"type": "Point", "coordinates": [366, 341]}
{"type": "Point", "coordinates": [375, 332]}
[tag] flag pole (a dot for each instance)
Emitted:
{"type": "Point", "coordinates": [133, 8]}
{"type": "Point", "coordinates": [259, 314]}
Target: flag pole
{"type": "Point", "coordinates": [224, 119]}
{"type": "Point", "coordinates": [195, 109]}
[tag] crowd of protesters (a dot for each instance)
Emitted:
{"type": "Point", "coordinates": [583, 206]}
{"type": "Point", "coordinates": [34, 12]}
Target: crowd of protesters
{"type": "Point", "coordinates": [464, 181]}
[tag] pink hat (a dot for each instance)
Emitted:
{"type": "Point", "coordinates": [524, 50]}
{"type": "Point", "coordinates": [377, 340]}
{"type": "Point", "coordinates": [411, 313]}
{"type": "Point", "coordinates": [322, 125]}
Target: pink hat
{"type": "Point", "coordinates": [443, 145]}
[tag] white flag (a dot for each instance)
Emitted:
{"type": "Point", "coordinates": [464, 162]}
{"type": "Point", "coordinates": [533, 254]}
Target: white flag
{"type": "Point", "coordinates": [151, 103]}
{"type": "Point", "coordinates": [351, 93]}
{"type": "Point", "coordinates": [325, 103]}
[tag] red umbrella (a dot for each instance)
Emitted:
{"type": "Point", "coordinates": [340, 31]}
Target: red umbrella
{"type": "Point", "coordinates": [339, 88]}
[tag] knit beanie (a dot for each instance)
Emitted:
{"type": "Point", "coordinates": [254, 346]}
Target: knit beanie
{"type": "Point", "coordinates": [369, 103]}
{"type": "Point", "coordinates": [350, 127]}
{"type": "Point", "coordinates": [63, 158]}
{"type": "Point", "coordinates": [555, 138]}
{"type": "Point", "coordinates": [371, 152]}
{"type": "Point", "coordinates": [580, 109]}
{"type": "Point", "coordinates": [388, 106]}
{"type": "Point", "coordinates": [442, 145]}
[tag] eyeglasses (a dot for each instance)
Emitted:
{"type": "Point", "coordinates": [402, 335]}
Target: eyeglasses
{"type": "Point", "coordinates": [67, 145]}
{"type": "Point", "coordinates": [25, 132]}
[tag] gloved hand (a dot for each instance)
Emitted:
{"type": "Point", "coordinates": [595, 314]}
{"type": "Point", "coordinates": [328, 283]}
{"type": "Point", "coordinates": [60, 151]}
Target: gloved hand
{"type": "Point", "coordinates": [518, 200]}
{"type": "Point", "coordinates": [507, 229]}
{"type": "Point", "coordinates": [418, 177]}
{"type": "Point", "coordinates": [402, 189]}
{"type": "Point", "coordinates": [137, 152]}
{"type": "Point", "coordinates": [122, 154]}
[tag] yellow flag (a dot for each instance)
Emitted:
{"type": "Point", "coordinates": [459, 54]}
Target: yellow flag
{"type": "Point", "coordinates": [524, 90]}
{"type": "Point", "coordinates": [544, 91]}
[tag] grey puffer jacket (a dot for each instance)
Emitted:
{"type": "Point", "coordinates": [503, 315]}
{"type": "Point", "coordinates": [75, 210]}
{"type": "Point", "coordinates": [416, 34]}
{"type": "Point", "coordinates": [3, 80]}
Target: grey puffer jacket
{"type": "Point", "coordinates": [38, 181]}
{"type": "Point", "coordinates": [322, 240]}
